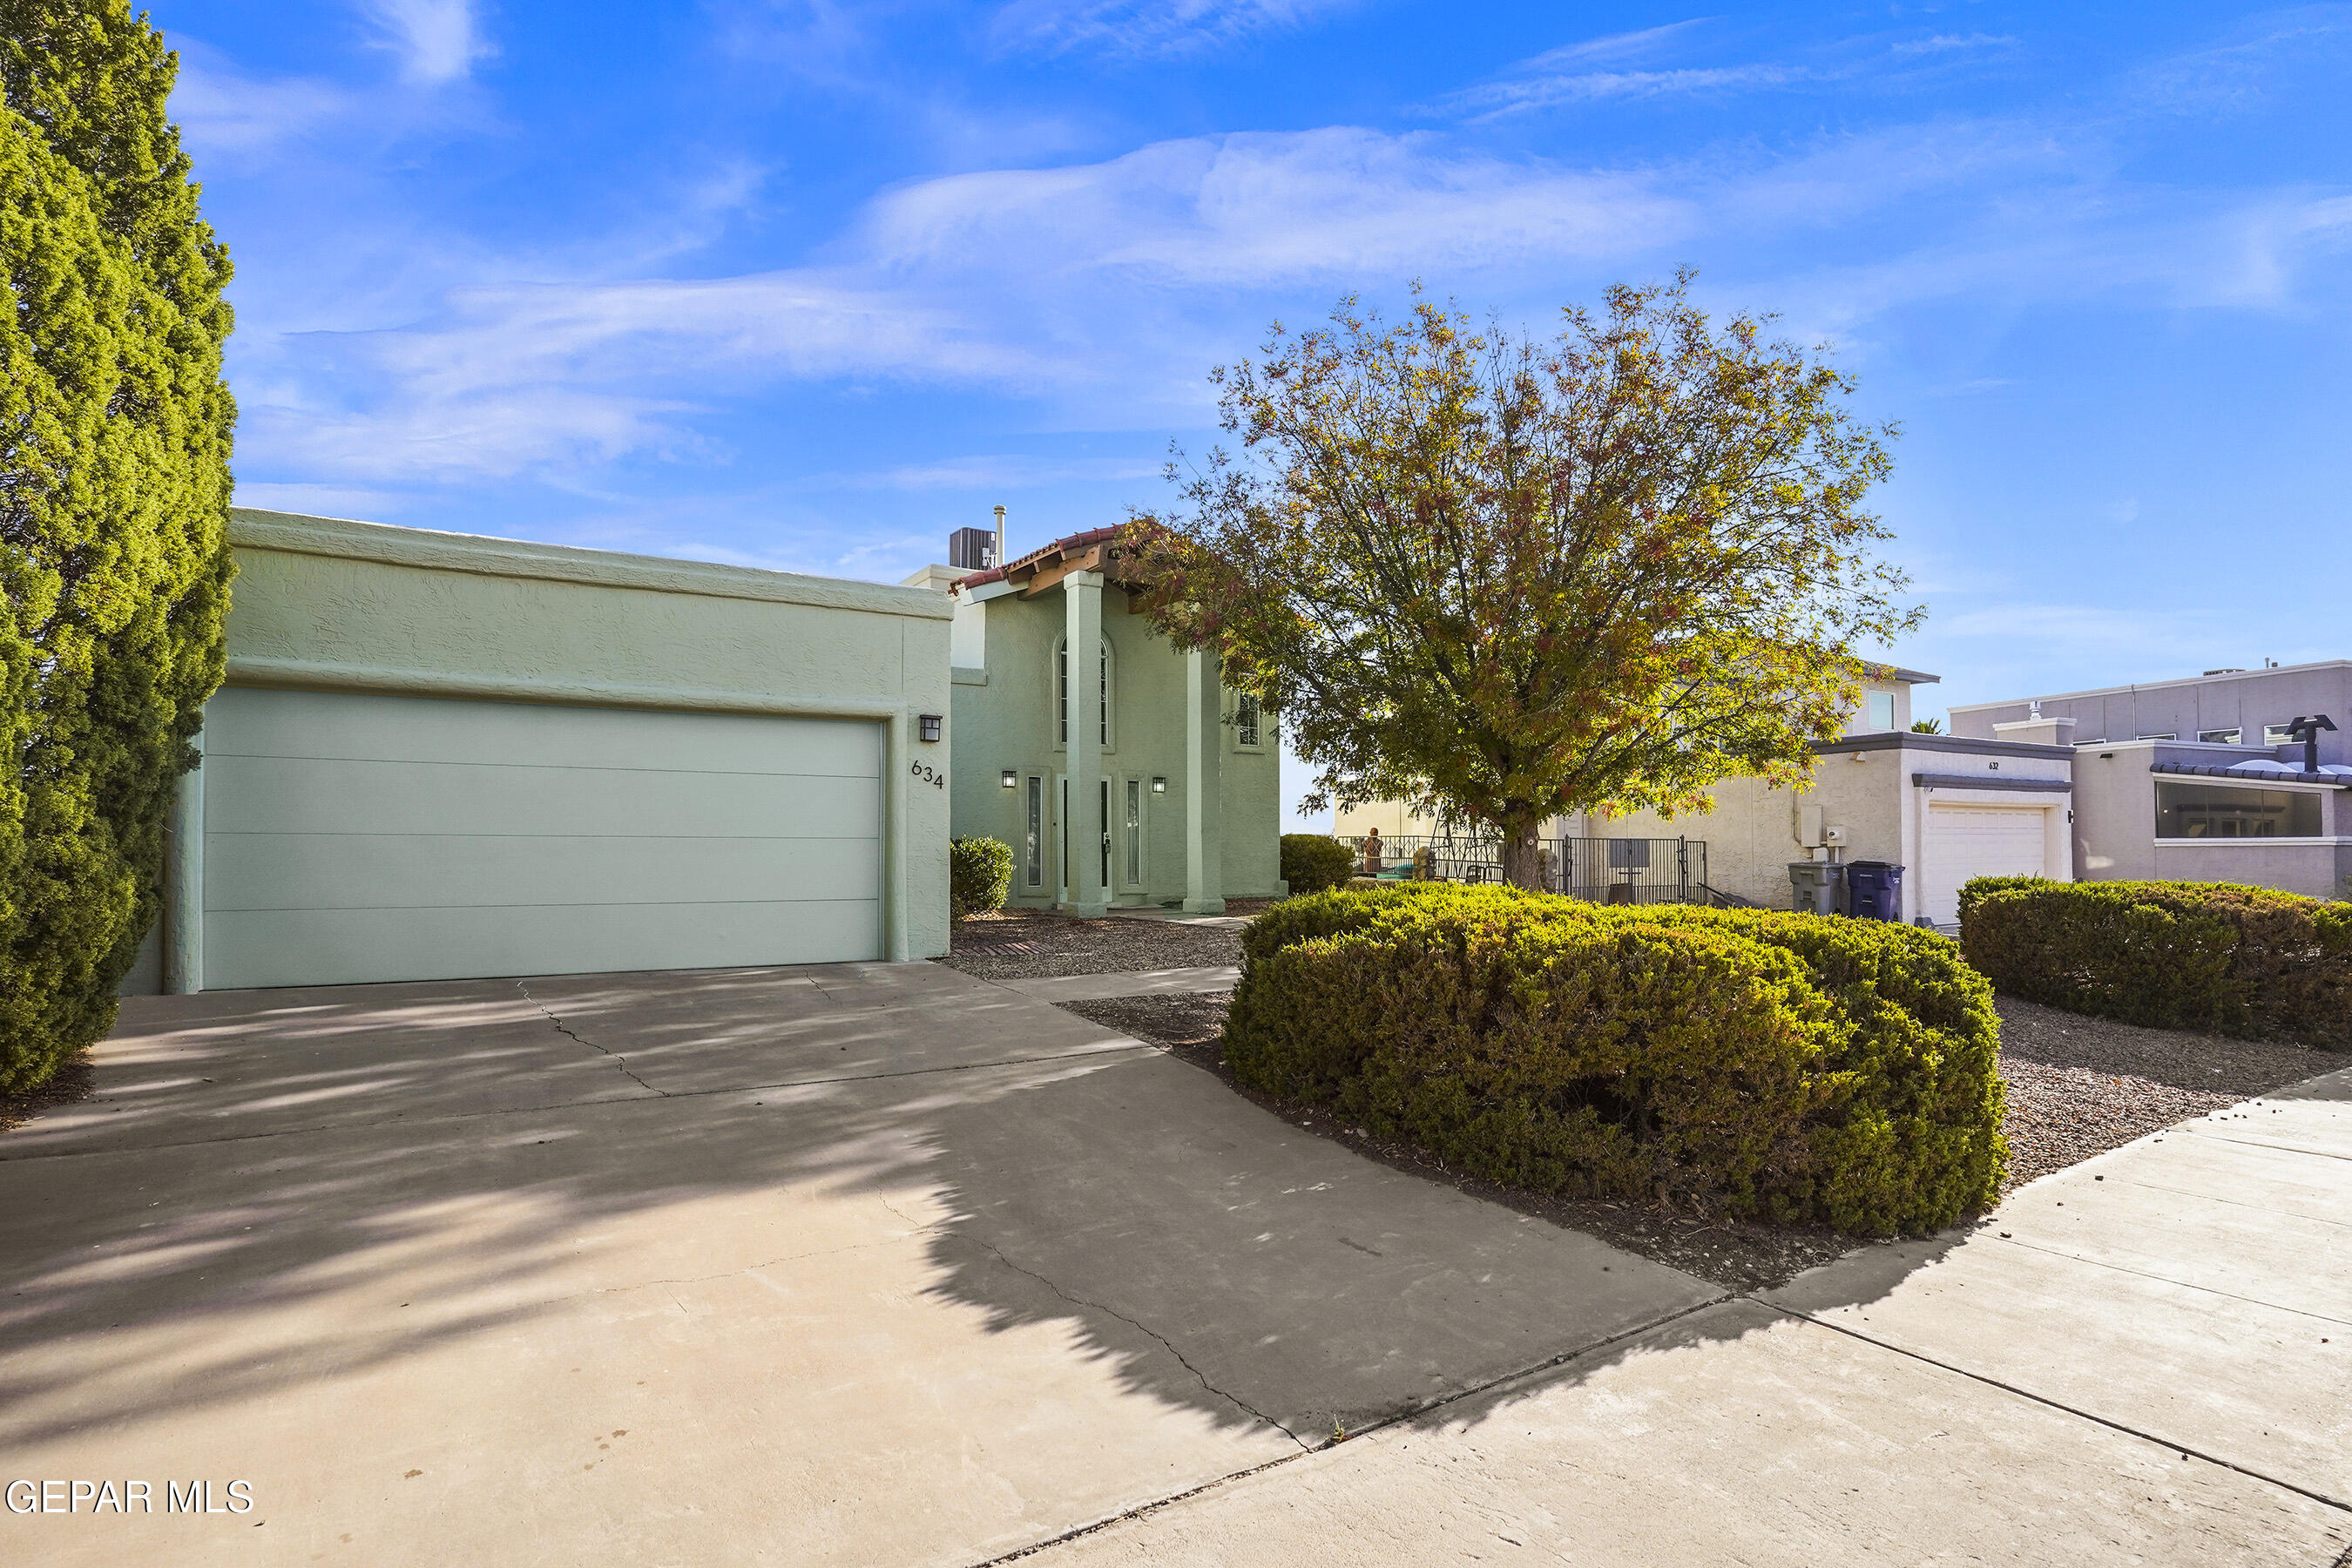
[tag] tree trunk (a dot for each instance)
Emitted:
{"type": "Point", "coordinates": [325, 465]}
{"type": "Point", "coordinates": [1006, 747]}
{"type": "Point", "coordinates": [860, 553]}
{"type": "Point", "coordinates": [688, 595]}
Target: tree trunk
{"type": "Point", "coordinates": [1523, 858]}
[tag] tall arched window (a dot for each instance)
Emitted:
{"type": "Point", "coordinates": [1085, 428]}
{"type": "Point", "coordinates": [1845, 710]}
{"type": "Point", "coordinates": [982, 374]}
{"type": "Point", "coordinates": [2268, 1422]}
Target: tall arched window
{"type": "Point", "coordinates": [1062, 692]}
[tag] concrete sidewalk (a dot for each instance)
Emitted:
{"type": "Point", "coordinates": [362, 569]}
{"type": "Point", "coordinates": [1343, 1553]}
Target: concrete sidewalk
{"type": "Point", "coordinates": [2146, 1358]}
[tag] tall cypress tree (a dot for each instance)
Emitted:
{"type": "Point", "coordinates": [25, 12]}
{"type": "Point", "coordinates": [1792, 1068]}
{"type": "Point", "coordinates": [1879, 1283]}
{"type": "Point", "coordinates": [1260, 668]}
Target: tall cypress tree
{"type": "Point", "coordinates": [114, 484]}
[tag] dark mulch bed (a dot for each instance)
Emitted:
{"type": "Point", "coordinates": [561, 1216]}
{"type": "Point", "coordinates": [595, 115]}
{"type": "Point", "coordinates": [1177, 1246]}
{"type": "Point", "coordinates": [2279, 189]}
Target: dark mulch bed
{"type": "Point", "coordinates": [1029, 944]}
{"type": "Point", "coordinates": [2077, 1086]}
{"type": "Point", "coordinates": [74, 1081]}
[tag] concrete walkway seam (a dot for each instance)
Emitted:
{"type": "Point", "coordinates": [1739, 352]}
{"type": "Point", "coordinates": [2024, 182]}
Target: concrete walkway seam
{"type": "Point", "coordinates": [1536, 1369]}
{"type": "Point", "coordinates": [2167, 1279]}
{"type": "Point", "coordinates": [2185, 1450]}
{"type": "Point", "coordinates": [1236, 1400]}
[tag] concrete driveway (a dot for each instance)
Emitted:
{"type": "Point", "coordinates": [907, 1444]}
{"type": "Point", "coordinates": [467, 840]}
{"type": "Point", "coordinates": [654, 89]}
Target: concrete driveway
{"type": "Point", "coordinates": [858, 1265]}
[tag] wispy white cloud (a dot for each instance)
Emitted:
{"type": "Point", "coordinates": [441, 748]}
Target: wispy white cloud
{"type": "Point", "coordinates": [322, 500]}
{"type": "Point", "coordinates": [224, 113]}
{"type": "Point", "coordinates": [437, 40]}
{"type": "Point", "coordinates": [1523, 93]}
{"type": "Point", "coordinates": [1148, 27]}
{"type": "Point", "coordinates": [1950, 43]}
{"type": "Point", "coordinates": [1261, 209]}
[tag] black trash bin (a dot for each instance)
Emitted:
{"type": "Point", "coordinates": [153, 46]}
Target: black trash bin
{"type": "Point", "coordinates": [1873, 890]}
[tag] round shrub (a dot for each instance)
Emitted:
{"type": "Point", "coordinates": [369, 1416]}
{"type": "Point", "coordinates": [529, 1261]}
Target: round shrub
{"type": "Point", "coordinates": [2236, 960]}
{"type": "Point", "coordinates": [1314, 861]}
{"type": "Point", "coordinates": [1761, 1063]}
{"type": "Point", "coordinates": [979, 875]}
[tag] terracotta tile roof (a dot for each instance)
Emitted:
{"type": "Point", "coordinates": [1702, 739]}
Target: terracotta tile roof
{"type": "Point", "coordinates": [1043, 555]}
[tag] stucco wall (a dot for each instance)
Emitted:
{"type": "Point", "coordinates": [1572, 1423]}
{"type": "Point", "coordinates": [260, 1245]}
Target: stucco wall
{"type": "Point", "coordinates": [2245, 700]}
{"type": "Point", "coordinates": [1009, 720]}
{"type": "Point", "coordinates": [349, 606]}
{"type": "Point", "coordinates": [1863, 784]}
{"type": "Point", "coordinates": [2114, 826]}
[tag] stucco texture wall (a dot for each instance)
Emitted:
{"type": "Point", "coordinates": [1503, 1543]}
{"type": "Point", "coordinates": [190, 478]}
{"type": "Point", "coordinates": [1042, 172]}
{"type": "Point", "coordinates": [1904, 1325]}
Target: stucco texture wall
{"type": "Point", "coordinates": [2114, 828]}
{"type": "Point", "coordinates": [1011, 720]}
{"type": "Point", "coordinates": [346, 605]}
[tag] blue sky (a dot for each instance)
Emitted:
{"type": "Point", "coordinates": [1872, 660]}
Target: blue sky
{"type": "Point", "coordinates": [808, 285]}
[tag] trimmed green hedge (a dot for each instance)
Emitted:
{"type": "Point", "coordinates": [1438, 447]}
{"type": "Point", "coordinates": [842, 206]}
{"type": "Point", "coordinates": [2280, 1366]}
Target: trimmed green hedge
{"type": "Point", "coordinates": [979, 875]}
{"type": "Point", "coordinates": [2220, 956]}
{"type": "Point", "coordinates": [1767, 1064]}
{"type": "Point", "coordinates": [1314, 861]}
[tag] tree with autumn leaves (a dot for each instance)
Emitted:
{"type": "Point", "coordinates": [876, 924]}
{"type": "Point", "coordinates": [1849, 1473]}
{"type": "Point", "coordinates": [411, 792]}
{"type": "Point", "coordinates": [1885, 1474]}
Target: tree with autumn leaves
{"type": "Point", "coordinates": [1508, 578]}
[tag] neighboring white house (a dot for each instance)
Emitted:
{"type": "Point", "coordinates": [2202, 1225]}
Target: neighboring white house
{"type": "Point", "coordinates": [1945, 808]}
{"type": "Point", "coordinates": [439, 755]}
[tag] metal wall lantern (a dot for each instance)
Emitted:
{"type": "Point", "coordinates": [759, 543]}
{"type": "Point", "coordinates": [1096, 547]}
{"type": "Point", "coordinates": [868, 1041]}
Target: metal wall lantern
{"type": "Point", "coordinates": [1009, 779]}
{"type": "Point", "coordinates": [1159, 786]}
{"type": "Point", "coordinates": [927, 726]}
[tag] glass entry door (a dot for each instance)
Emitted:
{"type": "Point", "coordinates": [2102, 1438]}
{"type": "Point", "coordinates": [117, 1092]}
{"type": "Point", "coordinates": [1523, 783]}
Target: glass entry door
{"type": "Point", "coordinates": [1074, 839]}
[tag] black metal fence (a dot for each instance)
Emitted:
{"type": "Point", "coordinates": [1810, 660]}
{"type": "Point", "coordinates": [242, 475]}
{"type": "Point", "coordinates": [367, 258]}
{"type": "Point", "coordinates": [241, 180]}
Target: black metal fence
{"type": "Point", "coordinates": [1605, 870]}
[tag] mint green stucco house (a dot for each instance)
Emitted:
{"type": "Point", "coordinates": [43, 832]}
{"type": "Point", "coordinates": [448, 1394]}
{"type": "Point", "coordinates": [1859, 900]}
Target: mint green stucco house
{"type": "Point", "coordinates": [441, 756]}
{"type": "Point", "coordinates": [1143, 782]}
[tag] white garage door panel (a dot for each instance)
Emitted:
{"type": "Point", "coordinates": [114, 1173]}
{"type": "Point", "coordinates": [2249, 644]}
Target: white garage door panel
{"type": "Point", "coordinates": [305, 794]}
{"type": "Point", "coordinates": [339, 947]}
{"type": "Point", "coordinates": [343, 872]}
{"type": "Point", "coordinates": [353, 837]}
{"type": "Point", "coordinates": [1966, 842]}
{"type": "Point", "coordinates": [439, 729]}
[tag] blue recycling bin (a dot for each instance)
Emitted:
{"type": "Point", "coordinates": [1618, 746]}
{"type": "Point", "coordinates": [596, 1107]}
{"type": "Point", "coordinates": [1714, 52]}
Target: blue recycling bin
{"type": "Point", "coordinates": [1873, 890]}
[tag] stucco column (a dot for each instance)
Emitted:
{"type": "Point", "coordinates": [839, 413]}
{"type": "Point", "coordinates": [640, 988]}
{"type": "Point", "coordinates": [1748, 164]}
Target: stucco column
{"type": "Point", "coordinates": [183, 885]}
{"type": "Point", "coordinates": [1204, 783]}
{"type": "Point", "coordinates": [1082, 753]}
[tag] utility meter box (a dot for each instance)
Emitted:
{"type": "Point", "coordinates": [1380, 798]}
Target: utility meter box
{"type": "Point", "coordinates": [1810, 823]}
{"type": "Point", "coordinates": [1834, 834]}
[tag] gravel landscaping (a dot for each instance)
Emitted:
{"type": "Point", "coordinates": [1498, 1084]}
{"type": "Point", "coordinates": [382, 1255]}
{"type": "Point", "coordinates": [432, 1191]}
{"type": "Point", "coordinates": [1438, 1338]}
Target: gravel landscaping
{"type": "Point", "coordinates": [1031, 944]}
{"type": "Point", "coordinates": [2077, 1086]}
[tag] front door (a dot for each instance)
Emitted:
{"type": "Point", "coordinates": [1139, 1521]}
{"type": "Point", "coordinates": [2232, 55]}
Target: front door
{"type": "Point", "coordinates": [1073, 836]}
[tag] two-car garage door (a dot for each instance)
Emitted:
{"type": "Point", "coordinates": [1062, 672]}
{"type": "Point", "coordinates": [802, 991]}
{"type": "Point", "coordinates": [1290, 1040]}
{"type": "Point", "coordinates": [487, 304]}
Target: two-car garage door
{"type": "Point", "coordinates": [353, 837]}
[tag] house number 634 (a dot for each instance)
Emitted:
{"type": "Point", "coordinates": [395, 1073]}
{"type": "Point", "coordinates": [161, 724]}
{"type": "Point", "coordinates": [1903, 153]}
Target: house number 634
{"type": "Point", "coordinates": [930, 775]}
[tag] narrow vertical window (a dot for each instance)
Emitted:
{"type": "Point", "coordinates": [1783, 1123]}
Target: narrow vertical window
{"type": "Point", "coordinates": [1034, 832]}
{"type": "Point", "coordinates": [1245, 719]}
{"type": "Point", "coordinates": [1062, 688]}
{"type": "Point", "coordinates": [1133, 832]}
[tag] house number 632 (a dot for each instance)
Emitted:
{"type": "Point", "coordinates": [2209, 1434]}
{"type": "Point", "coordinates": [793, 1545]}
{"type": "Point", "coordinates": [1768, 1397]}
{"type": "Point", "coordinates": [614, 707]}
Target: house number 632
{"type": "Point", "coordinates": [930, 775]}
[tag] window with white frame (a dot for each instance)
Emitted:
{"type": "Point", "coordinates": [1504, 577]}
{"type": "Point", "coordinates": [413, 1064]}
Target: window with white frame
{"type": "Point", "coordinates": [2199, 810]}
{"type": "Point", "coordinates": [1062, 693]}
{"type": "Point", "coordinates": [1249, 727]}
{"type": "Point", "coordinates": [2222, 737]}
{"type": "Point", "coordinates": [2277, 735]}
{"type": "Point", "coordinates": [1882, 710]}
